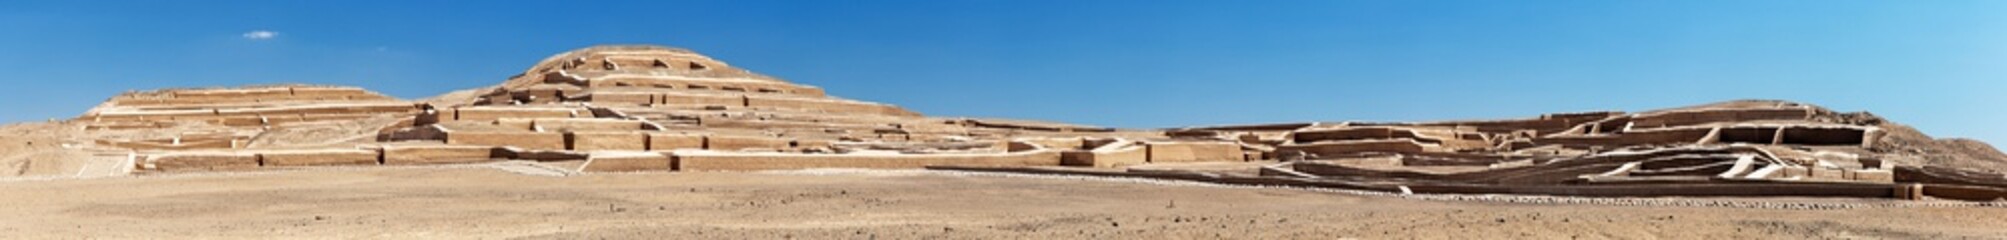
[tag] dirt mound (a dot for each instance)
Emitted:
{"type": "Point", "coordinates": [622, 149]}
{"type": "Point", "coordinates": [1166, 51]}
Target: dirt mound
{"type": "Point", "coordinates": [1908, 143]}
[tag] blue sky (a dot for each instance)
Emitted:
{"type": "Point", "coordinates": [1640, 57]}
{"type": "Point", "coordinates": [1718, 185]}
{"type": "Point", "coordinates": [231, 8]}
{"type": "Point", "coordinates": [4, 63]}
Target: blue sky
{"type": "Point", "coordinates": [1937, 65]}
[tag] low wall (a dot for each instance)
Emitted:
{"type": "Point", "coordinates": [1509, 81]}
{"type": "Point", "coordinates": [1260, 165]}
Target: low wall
{"type": "Point", "coordinates": [186, 144]}
{"type": "Point", "coordinates": [1651, 137]}
{"type": "Point", "coordinates": [1692, 117]}
{"type": "Point", "coordinates": [1165, 152]}
{"type": "Point", "coordinates": [526, 140]}
{"type": "Point", "coordinates": [627, 162]}
{"type": "Point", "coordinates": [1355, 146]}
{"type": "Point", "coordinates": [1352, 133]}
{"type": "Point", "coordinates": [436, 154]}
{"type": "Point", "coordinates": [735, 143]}
{"type": "Point", "coordinates": [674, 141]}
{"type": "Point", "coordinates": [539, 155]}
{"type": "Point", "coordinates": [673, 99]}
{"type": "Point", "coordinates": [322, 157]}
{"type": "Point", "coordinates": [1133, 155]}
{"type": "Point", "coordinates": [687, 83]}
{"type": "Point", "coordinates": [1057, 143]}
{"type": "Point", "coordinates": [827, 105]}
{"type": "Point", "coordinates": [232, 94]}
{"type": "Point", "coordinates": [597, 141]}
{"type": "Point", "coordinates": [1750, 189]}
{"type": "Point", "coordinates": [587, 124]}
{"type": "Point", "coordinates": [325, 109]}
{"type": "Point", "coordinates": [493, 113]}
{"type": "Point", "coordinates": [201, 161]}
{"type": "Point", "coordinates": [620, 98]}
{"type": "Point", "coordinates": [723, 161]}
{"type": "Point", "coordinates": [517, 123]}
{"type": "Point", "coordinates": [1966, 193]}
{"type": "Point", "coordinates": [334, 93]}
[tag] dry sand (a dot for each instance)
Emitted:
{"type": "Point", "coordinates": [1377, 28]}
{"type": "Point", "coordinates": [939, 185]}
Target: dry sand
{"type": "Point", "coordinates": [483, 203]}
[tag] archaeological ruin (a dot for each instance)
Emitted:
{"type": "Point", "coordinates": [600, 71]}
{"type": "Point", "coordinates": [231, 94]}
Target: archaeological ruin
{"type": "Point", "coordinates": [657, 109]}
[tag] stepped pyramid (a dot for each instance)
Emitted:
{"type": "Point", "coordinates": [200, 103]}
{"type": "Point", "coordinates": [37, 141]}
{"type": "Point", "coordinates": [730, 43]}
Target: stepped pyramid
{"type": "Point", "coordinates": [606, 108]}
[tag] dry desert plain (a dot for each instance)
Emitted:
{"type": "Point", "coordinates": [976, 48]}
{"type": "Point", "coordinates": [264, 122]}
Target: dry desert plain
{"type": "Point", "coordinates": [479, 202]}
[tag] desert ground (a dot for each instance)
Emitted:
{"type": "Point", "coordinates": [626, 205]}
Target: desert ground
{"type": "Point", "coordinates": [482, 202]}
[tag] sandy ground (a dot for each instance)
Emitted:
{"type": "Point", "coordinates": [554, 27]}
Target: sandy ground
{"type": "Point", "coordinates": [480, 203]}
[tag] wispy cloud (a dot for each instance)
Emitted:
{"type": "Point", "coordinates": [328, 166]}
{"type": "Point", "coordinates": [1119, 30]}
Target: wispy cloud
{"type": "Point", "coordinates": [261, 35]}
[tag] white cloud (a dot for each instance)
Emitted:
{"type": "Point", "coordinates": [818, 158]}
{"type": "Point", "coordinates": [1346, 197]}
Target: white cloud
{"type": "Point", "coordinates": [261, 35]}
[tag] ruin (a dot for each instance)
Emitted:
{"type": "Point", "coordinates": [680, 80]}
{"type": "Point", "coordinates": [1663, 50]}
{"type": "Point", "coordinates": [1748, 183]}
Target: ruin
{"type": "Point", "coordinates": [659, 109]}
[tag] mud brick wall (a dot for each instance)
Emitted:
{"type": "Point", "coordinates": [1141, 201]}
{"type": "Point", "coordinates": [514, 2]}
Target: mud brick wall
{"type": "Point", "coordinates": [202, 161]}
{"type": "Point", "coordinates": [1162, 152]}
{"type": "Point", "coordinates": [436, 154]}
{"type": "Point", "coordinates": [322, 157]}
{"type": "Point", "coordinates": [721, 161]}
{"type": "Point", "coordinates": [526, 140]}
{"type": "Point", "coordinates": [600, 141]}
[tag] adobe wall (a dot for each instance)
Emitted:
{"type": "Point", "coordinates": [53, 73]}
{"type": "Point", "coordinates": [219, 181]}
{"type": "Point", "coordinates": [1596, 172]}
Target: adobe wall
{"type": "Point", "coordinates": [201, 161]}
{"type": "Point", "coordinates": [674, 141]}
{"type": "Point", "coordinates": [677, 99]}
{"type": "Point", "coordinates": [186, 144]}
{"type": "Point", "coordinates": [685, 83]}
{"type": "Point", "coordinates": [321, 157]}
{"type": "Point", "coordinates": [348, 93]}
{"type": "Point", "coordinates": [735, 143]}
{"type": "Point", "coordinates": [728, 122]}
{"type": "Point", "coordinates": [526, 140]}
{"type": "Point", "coordinates": [1546, 124]}
{"type": "Point", "coordinates": [1627, 190]}
{"type": "Point", "coordinates": [1825, 136]}
{"type": "Point", "coordinates": [1119, 157]}
{"type": "Point", "coordinates": [827, 105]}
{"type": "Point", "coordinates": [1273, 127]}
{"type": "Point", "coordinates": [230, 94]}
{"type": "Point", "coordinates": [156, 115]}
{"type": "Point", "coordinates": [1799, 135]}
{"type": "Point", "coordinates": [266, 94]}
{"type": "Point", "coordinates": [1166, 152]}
{"type": "Point", "coordinates": [510, 152]}
{"type": "Point", "coordinates": [1693, 117]}
{"type": "Point", "coordinates": [1032, 126]}
{"type": "Point", "coordinates": [722, 161]}
{"type": "Point", "coordinates": [479, 113]}
{"type": "Point", "coordinates": [627, 162]}
{"type": "Point", "coordinates": [436, 154]}
{"type": "Point", "coordinates": [1651, 137]}
{"type": "Point", "coordinates": [1355, 146]}
{"type": "Point", "coordinates": [1057, 143]}
{"type": "Point", "coordinates": [517, 123]}
{"type": "Point", "coordinates": [1351, 133]}
{"type": "Point", "coordinates": [587, 124]}
{"type": "Point", "coordinates": [620, 98]}
{"type": "Point", "coordinates": [324, 109]}
{"type": "Point", "coordinates": [1965, 193]}
{"type": "Point", "coordinates": [1435, 135]}
{"type": "Point", "coordinates": [598, 141]}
